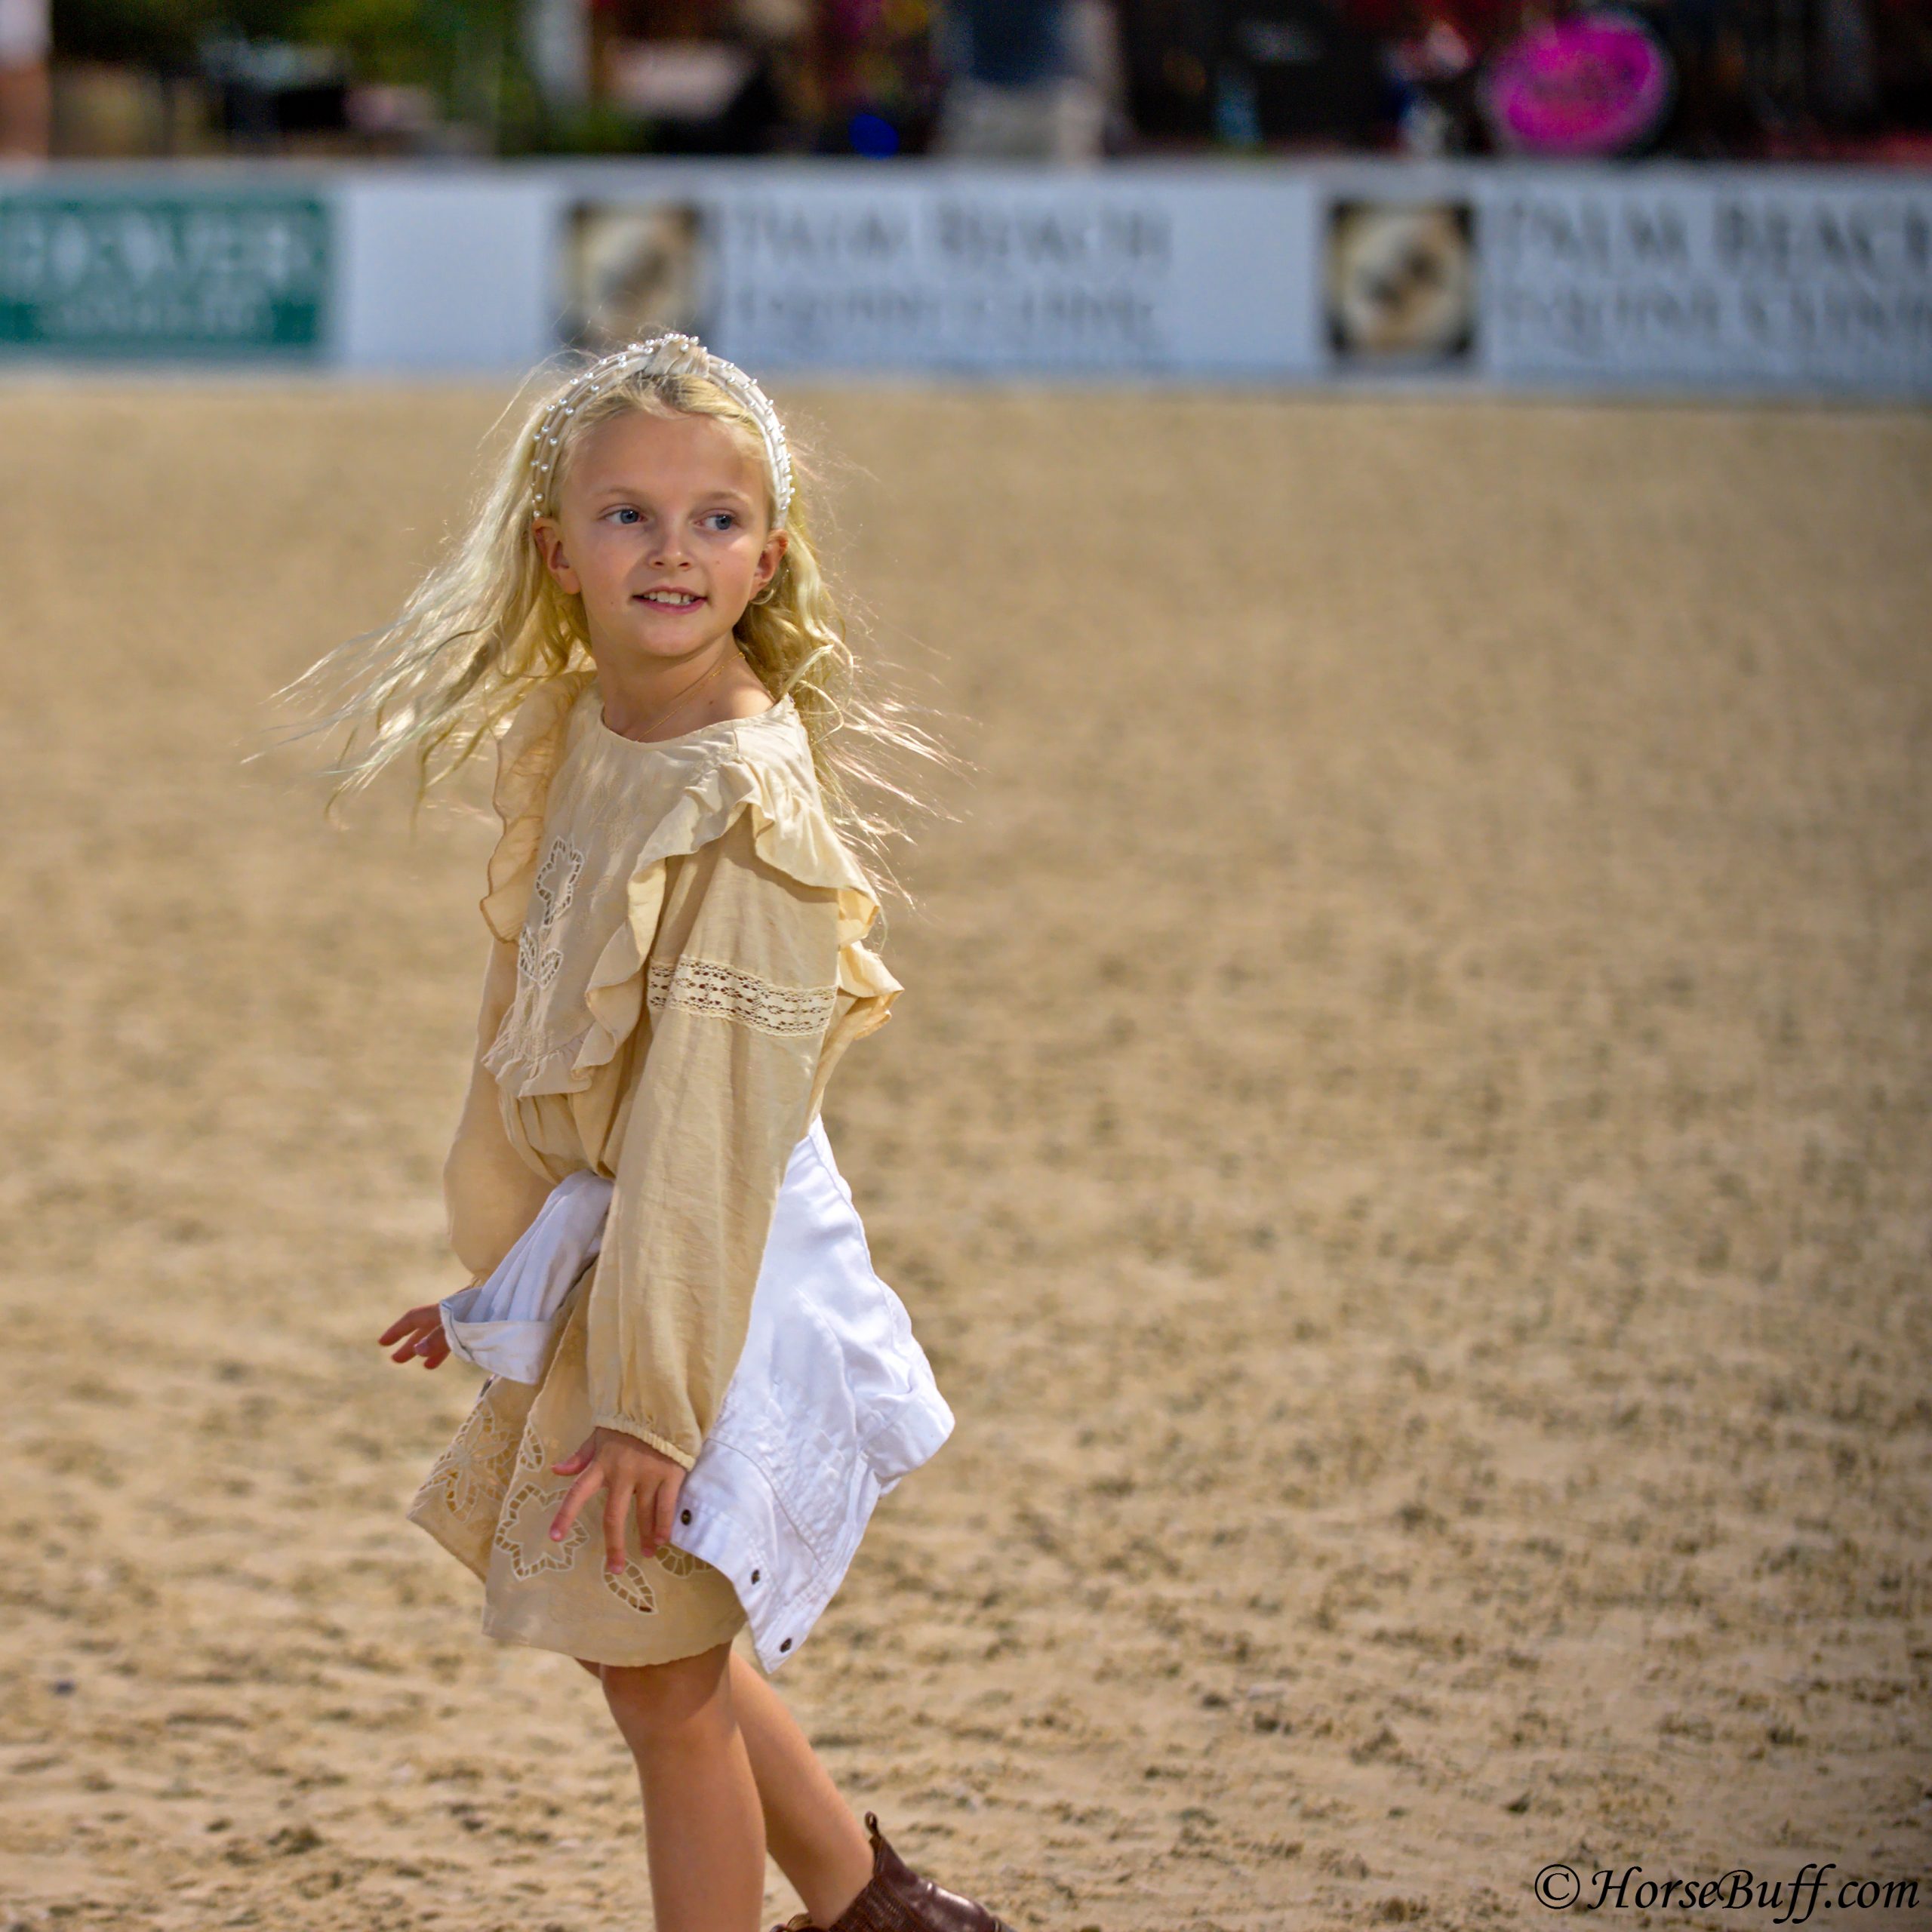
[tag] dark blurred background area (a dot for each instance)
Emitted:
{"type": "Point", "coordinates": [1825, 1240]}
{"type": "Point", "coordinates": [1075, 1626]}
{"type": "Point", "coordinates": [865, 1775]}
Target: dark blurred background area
{"type": "Point", "coordinates": [1074, 81]}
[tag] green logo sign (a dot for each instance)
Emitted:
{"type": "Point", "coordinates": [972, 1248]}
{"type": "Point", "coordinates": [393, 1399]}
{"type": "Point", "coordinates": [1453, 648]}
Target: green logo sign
{"type": "Point", "coordinates": [163, 275]}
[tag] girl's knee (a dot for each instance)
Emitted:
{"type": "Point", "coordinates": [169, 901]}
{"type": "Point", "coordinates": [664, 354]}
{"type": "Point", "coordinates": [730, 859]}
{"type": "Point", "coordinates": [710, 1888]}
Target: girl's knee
{"type": "Point", "coordinates": [656, 1703]}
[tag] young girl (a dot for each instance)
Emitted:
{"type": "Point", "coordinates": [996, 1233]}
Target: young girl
{"type": "Point", "coordinates": [719, 1387]}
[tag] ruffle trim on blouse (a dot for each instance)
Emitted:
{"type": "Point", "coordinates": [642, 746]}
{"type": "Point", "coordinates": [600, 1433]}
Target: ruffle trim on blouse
{"type": "Point", "coordinates": [790, 832]}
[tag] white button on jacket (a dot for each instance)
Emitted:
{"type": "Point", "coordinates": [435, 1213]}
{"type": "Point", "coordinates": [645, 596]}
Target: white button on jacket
{"type": "Point", "coordinates": [831, 1401]}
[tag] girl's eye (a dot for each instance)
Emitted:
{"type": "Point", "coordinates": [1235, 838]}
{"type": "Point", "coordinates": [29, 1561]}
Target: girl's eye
{"type": "Point", "coordinates": [625, 513]}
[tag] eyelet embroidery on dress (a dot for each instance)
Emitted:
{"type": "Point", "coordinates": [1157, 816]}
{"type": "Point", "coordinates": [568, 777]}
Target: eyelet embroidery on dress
{"type": "Point", "coordinates": [526, 1520]}
{"type": "Point", "coordinates": [474, 1469]}
{"type": "Point", "coordinates": [631, 1588]}
{"type": "Point", "coordinates": [708, 985]}
{"type": "Point", "coordinates": [523, 1532]}
{"type": "Point", "coordinates": [554, 888]}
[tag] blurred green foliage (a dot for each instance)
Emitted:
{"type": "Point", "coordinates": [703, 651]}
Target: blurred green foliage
{"type": "Point", "coordinates": [468, 53]}
{"type": "Point", "coordinates": [462, 49]}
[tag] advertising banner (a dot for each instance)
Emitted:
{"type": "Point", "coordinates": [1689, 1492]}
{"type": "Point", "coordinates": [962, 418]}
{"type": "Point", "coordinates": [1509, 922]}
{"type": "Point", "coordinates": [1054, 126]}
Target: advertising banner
{"type": "Point", "coordinates": [1776, 278]}
{"type": "Point", "coordinates": [1783, 280]}
{"type": "Point", "coordinates": [1520, 275]}
{"type": "Point", "coordinates": [140, 273]}
{"type": "Point", "coordinates": [961, 269]}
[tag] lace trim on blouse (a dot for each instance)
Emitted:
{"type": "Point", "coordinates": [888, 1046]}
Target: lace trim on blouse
{"type": "Point", "coordinates": [709, 986]}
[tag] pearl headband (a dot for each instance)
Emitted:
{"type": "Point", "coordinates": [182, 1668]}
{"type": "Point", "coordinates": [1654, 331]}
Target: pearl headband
{"type": "Point", "coordinates": [667, 353]}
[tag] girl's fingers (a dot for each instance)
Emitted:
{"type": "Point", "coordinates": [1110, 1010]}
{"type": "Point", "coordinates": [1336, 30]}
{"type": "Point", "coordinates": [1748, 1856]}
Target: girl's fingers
{"type": "Point", "coordinates": [418, 1335]}
{"type": "Point", "coordinates": [581, 1491]}
{"type": "Point", "coordinates": [412, 1324]}
{"type": "Point", "coordinates": [616, 1508]}
{"type": "Point", "coordinates": [575, 1461]}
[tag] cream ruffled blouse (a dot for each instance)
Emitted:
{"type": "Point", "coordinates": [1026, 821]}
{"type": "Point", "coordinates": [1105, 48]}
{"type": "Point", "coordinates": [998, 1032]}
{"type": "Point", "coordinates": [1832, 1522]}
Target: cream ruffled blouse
{"type": "Point", "coordinates": [676, 967]}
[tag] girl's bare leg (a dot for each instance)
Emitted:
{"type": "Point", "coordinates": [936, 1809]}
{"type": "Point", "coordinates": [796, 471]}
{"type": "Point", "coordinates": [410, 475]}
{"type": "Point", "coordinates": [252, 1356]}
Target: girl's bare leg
{"type": "Point", "coordinates": [820, 1846]}
{"type": "Point", "coordinates": [704, 1826]}
{"type": "Point", "coordinates": [809, 1828]}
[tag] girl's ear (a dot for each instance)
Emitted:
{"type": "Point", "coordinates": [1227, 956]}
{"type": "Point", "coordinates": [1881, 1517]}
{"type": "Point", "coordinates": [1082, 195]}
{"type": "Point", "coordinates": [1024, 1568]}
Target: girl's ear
{"type": "Point", "coordinates": [771, 556]}
{"type": "Point", "coordinates": [549, 538]}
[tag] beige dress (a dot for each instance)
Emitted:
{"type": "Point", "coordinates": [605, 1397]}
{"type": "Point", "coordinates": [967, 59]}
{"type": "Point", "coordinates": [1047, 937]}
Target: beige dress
{"type": "Point", "coordinates": [675, 970]}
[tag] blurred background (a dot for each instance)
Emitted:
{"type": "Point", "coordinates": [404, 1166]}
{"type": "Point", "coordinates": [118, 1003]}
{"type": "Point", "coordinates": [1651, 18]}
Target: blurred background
{"type": "Point", "coordinates": [1687, 195]}
{"type": "Point", "coordinates": [1067, 80]}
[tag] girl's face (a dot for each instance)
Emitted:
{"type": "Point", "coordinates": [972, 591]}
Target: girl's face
{"type": "Point", "coordinates": [660, 528]}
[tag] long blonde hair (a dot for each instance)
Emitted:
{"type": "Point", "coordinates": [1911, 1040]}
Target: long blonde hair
{"type": "Point", "coordinates": [488, 623]}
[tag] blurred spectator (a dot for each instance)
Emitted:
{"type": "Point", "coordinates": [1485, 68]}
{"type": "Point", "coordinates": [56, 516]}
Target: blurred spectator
{"type": "Point", "coordinates": [24, 91]}
{"type": "Point", "coordinates": [697, 77]}
{"type": "Point", "coordinates": [696, 96]}
{"type": "Point", "coordinates": [1299, 73]}
{"type": "Point", "coordinates": [1775, 77]}
{"type": "Point", "coordinates": [1434, 68]}
{"type": "Point", "coordinates": [556, 46]}
{"type": "Point", "coordinates": [1031, 80]}
{"type": "Point", "coordinates": [871, 82]}
{"type": "Point", "coordinates": [1710, 118]}
{"type": "Point", "coordinates": [1259, 73]}
{"type": "Point", "coordinates": [1064, 80]}
{"type": "Point", "coordinates": [268, 90]}
{"type": "Point", "coordinates": [1095, 55]}
{"type": "Point", "coordinates": [761, 117]}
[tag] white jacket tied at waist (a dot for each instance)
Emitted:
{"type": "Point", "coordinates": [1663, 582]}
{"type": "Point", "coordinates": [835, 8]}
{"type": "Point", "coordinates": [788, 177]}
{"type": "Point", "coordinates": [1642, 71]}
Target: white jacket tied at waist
{"type": "Point", "coordinates": [831, 1401]}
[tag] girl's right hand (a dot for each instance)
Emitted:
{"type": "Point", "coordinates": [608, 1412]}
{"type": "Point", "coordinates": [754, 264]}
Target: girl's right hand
{"type": "Point", "coordinates": [423, 1329]}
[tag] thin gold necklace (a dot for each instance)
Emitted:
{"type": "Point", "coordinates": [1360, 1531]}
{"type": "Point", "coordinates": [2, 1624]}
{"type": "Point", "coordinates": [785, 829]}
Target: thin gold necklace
{"type": "Point", "coordinates": [684, 697]}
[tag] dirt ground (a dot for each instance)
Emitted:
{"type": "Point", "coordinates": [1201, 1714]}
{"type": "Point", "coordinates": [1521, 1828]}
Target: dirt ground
{"type": "Point", "coordinates": [1406, 1141]}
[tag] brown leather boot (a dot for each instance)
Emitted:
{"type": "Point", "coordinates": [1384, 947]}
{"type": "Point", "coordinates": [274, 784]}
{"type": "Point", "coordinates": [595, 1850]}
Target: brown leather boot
{"type": "Point", "coordinates": [897, 1900]}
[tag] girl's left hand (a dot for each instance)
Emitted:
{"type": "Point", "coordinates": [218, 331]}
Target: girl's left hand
{"type": "Point", "coordinates": [423, 1328]}
{"type": "Point", "coordinates": [633, 1477]}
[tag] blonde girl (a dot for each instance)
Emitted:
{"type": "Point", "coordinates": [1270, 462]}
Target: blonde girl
{"type": "Point", "coordinates": [703, 1388]}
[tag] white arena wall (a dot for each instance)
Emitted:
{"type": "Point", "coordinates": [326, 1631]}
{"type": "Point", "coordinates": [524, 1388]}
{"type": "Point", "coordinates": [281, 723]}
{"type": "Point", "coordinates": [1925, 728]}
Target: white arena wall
{"type": "Point", "coordinates": [1638, 277]}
